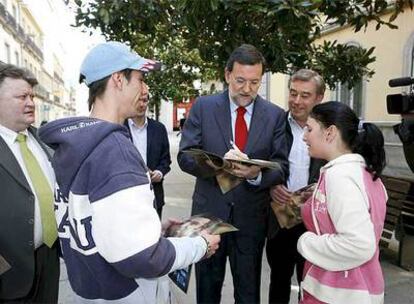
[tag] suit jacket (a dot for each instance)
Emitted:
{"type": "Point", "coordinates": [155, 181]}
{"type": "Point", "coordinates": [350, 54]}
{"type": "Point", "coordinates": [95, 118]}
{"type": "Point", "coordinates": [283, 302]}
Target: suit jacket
{"type": "Point", "coordinates": [315, 165]}
{"type": "Point", "coordinates": [209, 127]}
{"type": "Point", "coordinates": [16, 224]}
{"type": "Point", "coordinates": [158, 155]}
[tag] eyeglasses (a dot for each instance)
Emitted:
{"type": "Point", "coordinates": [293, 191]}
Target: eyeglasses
{"type": "Point", "coordinates": [240, 81]}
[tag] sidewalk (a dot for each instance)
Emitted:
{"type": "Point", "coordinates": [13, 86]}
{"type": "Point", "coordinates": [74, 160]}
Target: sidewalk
{"type": "Point", "coordinates": [399, 283]}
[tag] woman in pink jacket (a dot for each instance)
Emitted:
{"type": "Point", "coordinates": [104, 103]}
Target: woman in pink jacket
{"type": "Point", "coordinates": [346, 212]}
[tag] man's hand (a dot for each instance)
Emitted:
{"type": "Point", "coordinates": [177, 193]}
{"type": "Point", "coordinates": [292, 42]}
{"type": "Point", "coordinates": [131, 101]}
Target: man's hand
{"type": "Point", "coordinates": [307, 194]}
{"type": "Point", "coordinates": [235, 154]}
{"type": "Point", "coordinates": [247, 172]}
{"type": "Point", "coordinates": [280, 194]}
{"type": "Point", "coordinates": [212, 242]}
{"type": "Point", "coordinates": [168, 222]}
{"type": "Point", "coordinates": [156, 176]}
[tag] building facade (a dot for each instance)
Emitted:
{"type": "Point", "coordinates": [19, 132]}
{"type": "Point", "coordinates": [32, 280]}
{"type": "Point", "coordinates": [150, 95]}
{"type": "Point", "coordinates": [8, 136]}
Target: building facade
{"type": "Point", "coordinates": [394, 51]}
{"type": "Point", "coordinates": [21, 43]}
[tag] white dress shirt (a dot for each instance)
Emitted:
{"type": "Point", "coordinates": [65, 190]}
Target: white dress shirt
{"type": "Point", "coordinates": [299, 159]}
{"type": "Point", "coordinates": [140, 140]}
{"type": "Point", "coordinates": [9, 137]}
{"type": "Point", "coordinates": [139, 137]}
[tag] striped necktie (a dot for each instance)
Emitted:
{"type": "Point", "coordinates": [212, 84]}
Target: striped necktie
{"type": "Point", "coordinates": [43, 192]}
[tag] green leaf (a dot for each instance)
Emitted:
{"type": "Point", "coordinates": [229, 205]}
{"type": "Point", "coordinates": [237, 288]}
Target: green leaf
{"type": "Point", "coordinates": [195, 37]}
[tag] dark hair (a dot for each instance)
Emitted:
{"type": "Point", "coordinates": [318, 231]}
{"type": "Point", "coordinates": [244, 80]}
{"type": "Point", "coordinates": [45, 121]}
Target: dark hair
{"type": "Point", "coordinates": [15, 72]}
{"type": "Point", "coordinates": [309, 75]}
{"type": "Point", "coordinates": [97, 88]}
{"type": "Point", "coordinates": [246, 54]}
{"type": "Point", "coordinates": [362, 138]}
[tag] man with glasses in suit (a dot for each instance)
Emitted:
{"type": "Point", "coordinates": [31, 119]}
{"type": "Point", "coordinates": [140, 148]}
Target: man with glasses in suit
{"type": "Point", "coordinates": [257, 129]}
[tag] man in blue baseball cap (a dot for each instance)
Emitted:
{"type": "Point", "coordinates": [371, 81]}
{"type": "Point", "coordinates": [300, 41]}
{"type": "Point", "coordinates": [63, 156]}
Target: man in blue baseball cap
{"type": "Point", "coordinates": [110, 233]}
{"type": "Point", "coordinates": [112, 58]}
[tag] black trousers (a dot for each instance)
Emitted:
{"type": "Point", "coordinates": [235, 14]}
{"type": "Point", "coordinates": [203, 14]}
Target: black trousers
{"type": "Point", "coordinates": [283, 256]}
{"type": "Point", "coordinates": [45, 287]}
{"type": "Point", "coordinates": [245, 269]}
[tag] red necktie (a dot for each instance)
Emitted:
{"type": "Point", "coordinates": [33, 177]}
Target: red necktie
{"type": "Point", "coordinates": [241, 129]}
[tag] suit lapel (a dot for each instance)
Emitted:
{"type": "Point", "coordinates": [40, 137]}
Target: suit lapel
{"type": "Point", "coordinates": [257, 124]}
{"type": "Point", "coordinates": [223, 117]}
{"type": "Point", "coordinates": [10, 164]}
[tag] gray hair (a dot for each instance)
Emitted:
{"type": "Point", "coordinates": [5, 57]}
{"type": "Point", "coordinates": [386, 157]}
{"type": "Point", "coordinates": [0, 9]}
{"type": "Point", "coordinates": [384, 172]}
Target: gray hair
{"type": "Point", "coordinates": [308, 75]}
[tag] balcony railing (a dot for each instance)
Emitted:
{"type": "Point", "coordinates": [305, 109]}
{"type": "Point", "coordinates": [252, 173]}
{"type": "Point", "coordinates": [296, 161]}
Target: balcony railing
{"type": "Point", "coordinates": [57, 77]}
{"type": "Point", "coordinates": [30, 43]}
{"type": "Point", "coordinates": [20, 30]}
{"type": "Point", "coordinates": [41, 92]}
{"type": "Point", "coordinates": [3, 11]}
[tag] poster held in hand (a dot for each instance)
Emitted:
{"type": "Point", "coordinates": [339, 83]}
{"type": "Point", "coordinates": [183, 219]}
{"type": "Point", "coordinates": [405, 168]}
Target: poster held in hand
{"type": "Point", "coordinates": [289, 215]}
{"type": "Point", "coordinates": [212, 164]}
{"type": "Point", "coordinates": [193, 227]}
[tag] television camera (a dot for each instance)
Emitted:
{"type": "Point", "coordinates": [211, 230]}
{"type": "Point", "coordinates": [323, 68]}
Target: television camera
{"type": "Point", "coordinates": [403, 104]}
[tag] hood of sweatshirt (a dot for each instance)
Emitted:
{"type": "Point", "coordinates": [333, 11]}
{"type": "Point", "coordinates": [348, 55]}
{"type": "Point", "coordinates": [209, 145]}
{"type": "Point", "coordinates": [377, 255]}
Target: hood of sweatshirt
{"type": "Point", "coordinates": [73, 140]}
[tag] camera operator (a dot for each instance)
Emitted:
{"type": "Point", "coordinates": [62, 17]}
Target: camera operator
{"type": "Point", "coordinates": [403, 104]}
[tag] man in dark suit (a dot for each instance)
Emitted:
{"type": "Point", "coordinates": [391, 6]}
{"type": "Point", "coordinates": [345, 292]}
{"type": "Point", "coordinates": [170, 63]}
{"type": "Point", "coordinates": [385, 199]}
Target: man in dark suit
{"type": "Point", "coordinates": [28, 231]}
{"type": "Point", "coordinates": [257, 128]}
{"type": "Point", "coordinates": [151, 139]}
{"type": "Point", "coordinates": [306, 89]}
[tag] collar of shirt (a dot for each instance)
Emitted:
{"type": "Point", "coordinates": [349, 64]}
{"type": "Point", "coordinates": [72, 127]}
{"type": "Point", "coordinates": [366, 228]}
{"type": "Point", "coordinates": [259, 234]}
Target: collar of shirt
{"type": "Point", "coordinates": [293, 122]}
{"type": "Point", "coordinates": [132, 124]}
{"type": "Point", "coordinates": [233, 114]}
{"type": "Point", "coordinates": [233, 107]}
{"type": "Point", "coordinates": [10, 136]}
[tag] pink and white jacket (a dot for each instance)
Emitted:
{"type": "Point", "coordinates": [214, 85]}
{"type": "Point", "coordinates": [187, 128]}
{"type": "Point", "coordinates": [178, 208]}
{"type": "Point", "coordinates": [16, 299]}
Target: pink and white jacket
{"type": "Point", "coordinates": [345, 218]}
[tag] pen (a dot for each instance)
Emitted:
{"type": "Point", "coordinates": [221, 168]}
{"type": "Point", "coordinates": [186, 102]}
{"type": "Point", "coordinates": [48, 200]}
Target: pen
{"type": "Point", "coordinates": [234, 146]}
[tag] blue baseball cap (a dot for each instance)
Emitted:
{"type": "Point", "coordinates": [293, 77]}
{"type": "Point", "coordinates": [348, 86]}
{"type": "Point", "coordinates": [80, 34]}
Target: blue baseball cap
{"type": "Point", "coordinates": [110, 57]}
